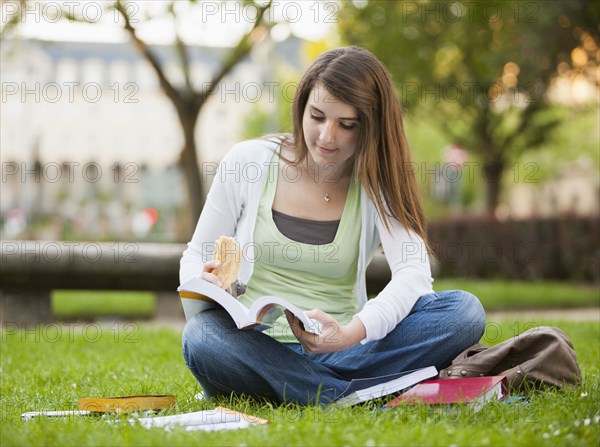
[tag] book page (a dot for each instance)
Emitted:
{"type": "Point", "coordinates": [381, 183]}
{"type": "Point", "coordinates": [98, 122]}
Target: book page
{"type": "Point", "coordinates": [268, 308]}
{"type": "Point", "coordinates": [193, 295]}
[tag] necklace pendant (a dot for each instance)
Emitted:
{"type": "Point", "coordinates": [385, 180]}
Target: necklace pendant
{"type": "Point", "coordinates": [326, 197]}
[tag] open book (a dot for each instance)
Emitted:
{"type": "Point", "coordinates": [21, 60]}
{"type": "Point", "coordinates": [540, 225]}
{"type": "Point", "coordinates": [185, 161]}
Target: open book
{"type": "Point", "coordinates": [220, 418]}
{"type": "Point", "coordinates": [198, 295]}
{"type": "Point", "coordinates": [362, 390]}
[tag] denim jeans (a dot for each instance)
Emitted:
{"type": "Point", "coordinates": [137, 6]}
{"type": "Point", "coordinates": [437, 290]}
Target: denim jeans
{"type": "Point", "coordinates": [226, 360]}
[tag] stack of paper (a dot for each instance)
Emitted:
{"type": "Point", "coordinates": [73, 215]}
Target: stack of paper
{"type": "Point", "coordinates": [219, 418]}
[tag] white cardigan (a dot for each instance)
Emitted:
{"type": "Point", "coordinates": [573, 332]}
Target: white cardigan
{"type": "Point", "coordinates": [231, 208]}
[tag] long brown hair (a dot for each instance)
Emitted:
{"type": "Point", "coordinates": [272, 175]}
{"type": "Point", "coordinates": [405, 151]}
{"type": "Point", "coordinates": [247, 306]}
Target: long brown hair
{"type": "Point", "coordinates": [382, 161]}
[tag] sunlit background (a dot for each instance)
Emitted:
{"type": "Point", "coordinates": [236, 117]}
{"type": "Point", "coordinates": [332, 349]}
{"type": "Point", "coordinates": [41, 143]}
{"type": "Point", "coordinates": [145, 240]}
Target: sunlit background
{"type": "Point", "coordinates": [91, 144]}
{"type": "Point", "coordinates": [105, 166]}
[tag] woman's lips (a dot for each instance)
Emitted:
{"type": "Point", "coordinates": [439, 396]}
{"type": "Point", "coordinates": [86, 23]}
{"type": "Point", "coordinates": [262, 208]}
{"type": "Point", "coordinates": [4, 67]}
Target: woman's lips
{"type": "Point", "coordinates": [325, 150]}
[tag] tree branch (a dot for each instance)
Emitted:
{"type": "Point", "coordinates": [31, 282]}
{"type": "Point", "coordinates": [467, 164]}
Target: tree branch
{"type": "Point", "coordinates": [181, 51]}
{"type": "Point", "coordinates": [165, 84]}
{"type": "Point", "coordinates": [14, 19]}
{"type": "Point", "coordinates": [242, 49]}
{"type": "Point", "coordinates": [533, 130]}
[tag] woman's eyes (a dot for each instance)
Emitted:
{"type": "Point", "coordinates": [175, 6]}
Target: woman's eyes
{"type": "Point", "coordinates": [342, 125]}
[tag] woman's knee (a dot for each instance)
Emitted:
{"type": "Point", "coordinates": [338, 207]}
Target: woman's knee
{"type": "Point", "coordinates": [464, 317]}
{"type": "Point", "coordinates": [469, 314]}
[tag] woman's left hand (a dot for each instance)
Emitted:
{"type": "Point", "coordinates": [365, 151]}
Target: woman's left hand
{"type": "Point", "coordinates": [334, 336]}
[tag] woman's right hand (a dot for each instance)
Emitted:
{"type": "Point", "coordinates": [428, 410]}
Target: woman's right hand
{"type": "Point", "coordinates": [207, 274]}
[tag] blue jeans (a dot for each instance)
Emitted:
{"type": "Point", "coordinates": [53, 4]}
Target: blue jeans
{"type": "Point", "coordinates": [226, 360]}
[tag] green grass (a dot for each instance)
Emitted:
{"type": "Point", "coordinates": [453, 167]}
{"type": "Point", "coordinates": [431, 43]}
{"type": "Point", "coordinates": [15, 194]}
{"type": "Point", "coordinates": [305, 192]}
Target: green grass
{"type": "Point", "coordinates": [505, 295]}
{"type": "Point", "coordinates": [68, 304]}
{"type": "Point", "coordinates": [494, 294]}
{"type": "Point", "coordinates": [52, 366]}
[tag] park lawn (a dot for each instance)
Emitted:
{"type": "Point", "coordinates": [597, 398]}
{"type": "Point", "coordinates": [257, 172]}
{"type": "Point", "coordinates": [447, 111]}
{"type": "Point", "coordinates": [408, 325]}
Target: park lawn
{"type": "Point", "coordinates": [499, 294]}
{"type": "Point", "coordinates": [494, 295]}
{"type": "Point", "coordinates": [75, 304]}
{"type": "Point", "coordinates": [52, 366]}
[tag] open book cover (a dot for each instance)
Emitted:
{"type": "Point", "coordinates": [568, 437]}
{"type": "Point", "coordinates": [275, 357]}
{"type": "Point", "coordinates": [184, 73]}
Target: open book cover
{"type": "Point", "coordinates": [468, 390]}
{"type": "Point", "coordinates": [127, 404]}
{"type": "Point", "coordinates": [198, 295]}
{"type": "Point", "coordinates": [362, 390]}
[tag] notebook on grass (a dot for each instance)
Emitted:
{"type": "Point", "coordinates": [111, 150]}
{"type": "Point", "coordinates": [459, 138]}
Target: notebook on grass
{"type": "Point", "coordinates": [475, 391]}
{"type": "Point", "coordinates": [362, 390]}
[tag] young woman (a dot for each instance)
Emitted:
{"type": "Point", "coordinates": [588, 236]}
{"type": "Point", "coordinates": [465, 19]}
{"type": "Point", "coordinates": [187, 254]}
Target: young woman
{"type": "Point", "coordinates": [310, 210]}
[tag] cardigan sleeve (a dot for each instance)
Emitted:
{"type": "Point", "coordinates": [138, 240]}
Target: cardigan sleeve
{"type": "Point", "coordinates": [407, 256]}
{"type": "Point", "coordinates": [219, 216]}
{"type": "Point", "coordinates": [230, 204]}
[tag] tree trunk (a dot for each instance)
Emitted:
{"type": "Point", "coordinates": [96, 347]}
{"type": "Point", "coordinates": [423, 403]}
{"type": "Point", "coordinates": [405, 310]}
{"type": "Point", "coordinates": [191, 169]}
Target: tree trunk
{"type": "Point", "coordinates": [191, 171]}
{"type": "Point", "coordinates": [492, 174]}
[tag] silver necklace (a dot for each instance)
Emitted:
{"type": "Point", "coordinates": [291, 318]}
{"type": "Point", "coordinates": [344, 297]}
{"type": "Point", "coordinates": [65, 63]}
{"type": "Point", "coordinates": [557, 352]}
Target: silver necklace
{"type": "Point", "coordinates": [326, 194]}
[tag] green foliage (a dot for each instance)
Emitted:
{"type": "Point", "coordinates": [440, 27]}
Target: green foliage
{"type": "Point", "coordinates": [436, 49]}
{"type": "Point", "coordinates": [427, 140]}
{"type": "Point", "coordinates": [575, 138]}
{"type": "Point", "coordinates": [263, 121]}
{"type": "Point", "coordinates": [480, 69]}
{"type": "Point", "coordinates": [274, 116]}
{"type": "Point", "coordinates": [43, 372]}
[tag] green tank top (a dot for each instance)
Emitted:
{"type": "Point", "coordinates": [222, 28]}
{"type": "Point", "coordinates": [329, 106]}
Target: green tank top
{"type": "Point", "coordinates": [309, 276]}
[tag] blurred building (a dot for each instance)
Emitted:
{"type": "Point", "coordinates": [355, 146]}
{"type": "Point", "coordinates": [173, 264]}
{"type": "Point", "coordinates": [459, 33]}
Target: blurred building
{"type": "Point", "coordinates": [573, 191]}
{"type": "Point", "coordinates": [88, 136]}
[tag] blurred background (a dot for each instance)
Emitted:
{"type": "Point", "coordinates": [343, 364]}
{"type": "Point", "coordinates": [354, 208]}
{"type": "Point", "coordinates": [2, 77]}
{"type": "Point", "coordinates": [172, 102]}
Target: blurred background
{"type": "Point", "coordinates": [114, 116]}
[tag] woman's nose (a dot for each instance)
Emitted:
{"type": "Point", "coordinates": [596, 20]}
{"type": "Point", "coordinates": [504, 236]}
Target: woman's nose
{"type": "Point", "coordinates": [328, 133]}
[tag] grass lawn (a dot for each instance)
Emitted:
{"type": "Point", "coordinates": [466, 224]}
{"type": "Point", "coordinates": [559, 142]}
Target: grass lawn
{"type": "Point", "coordinates": [73, 304]}
{"type": "Point", "coordinates": [494, 295]}
{"type": "Point", "coordinates": [54, 365]}
{"type": "Point", "coordinates": [501, 294]}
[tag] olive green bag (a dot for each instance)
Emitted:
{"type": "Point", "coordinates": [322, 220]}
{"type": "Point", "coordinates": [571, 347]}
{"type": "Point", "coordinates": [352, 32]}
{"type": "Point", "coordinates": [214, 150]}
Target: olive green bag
{"type": "Point", "coordinates": [540, 357]}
